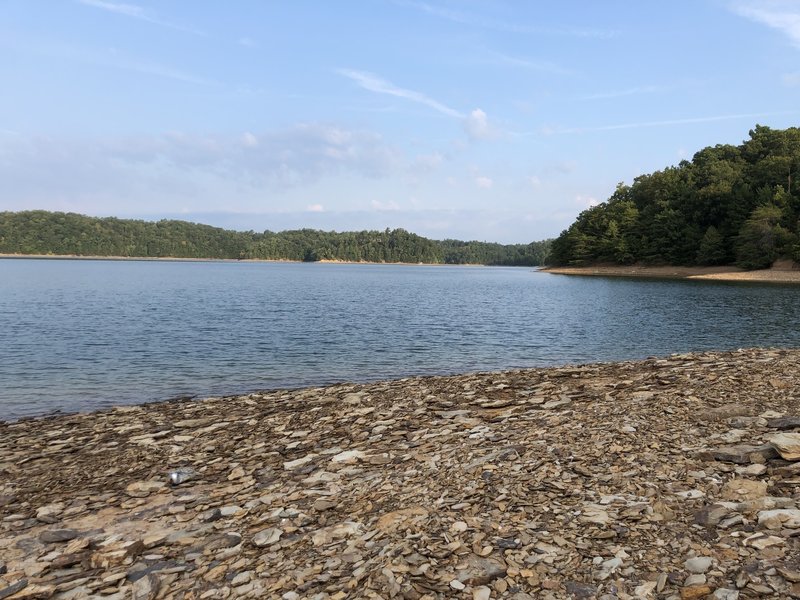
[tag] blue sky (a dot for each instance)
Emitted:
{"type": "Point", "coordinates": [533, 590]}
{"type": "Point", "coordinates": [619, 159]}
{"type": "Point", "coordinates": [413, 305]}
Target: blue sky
{"type": "Point", "coordinates": [477, 119]}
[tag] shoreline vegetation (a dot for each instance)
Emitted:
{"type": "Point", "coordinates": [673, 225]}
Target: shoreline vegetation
{"type": "Point", "coordinates": [670, 477]}
{"type": "Point", "coordinates": [41, 233]}
{"type": "Point", "coordinates": [728, 205]}
{"type": "Point", "coordinates": [227, 260]}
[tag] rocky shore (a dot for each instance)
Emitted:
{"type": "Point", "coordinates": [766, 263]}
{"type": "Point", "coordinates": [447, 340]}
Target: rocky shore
{"type": "Point", "coordinates": [673, 477]}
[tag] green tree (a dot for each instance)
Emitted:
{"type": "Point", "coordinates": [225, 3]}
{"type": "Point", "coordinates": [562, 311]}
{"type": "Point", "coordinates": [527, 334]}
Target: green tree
{"type": "Point", "coordinates": [712, 248]}
{"type": "Point", "coordinates": [761, 238]}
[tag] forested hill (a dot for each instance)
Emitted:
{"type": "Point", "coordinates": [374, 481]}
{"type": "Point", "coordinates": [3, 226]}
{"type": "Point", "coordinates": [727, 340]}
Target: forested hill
{"type": "Point", "coordinates": [728, 205]}
{"type": "Point", "coordinates": [56, 233]}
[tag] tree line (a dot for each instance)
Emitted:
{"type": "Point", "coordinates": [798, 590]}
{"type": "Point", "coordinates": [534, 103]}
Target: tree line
{"type": "Point", "coordinates": [728, 205]}
{"type": "Point", "coordinates": [58, 233]}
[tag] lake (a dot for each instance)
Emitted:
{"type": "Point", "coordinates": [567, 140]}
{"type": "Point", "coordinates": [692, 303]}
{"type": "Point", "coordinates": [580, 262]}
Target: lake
{"type": "Point", "coordinates": [79, 335]}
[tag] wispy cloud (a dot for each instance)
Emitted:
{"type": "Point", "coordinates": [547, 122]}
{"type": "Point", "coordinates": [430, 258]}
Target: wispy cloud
{"type": "Point", "coordinates": [543, 66]}
{"type": "Point", "coordinates": [669, 122]}
{"type": "Point", "coordinates": [376, 84]}
{"type": "Point", "coordinates": [156, 70]}
{"type": "Point", "coordinates": [137, 12]}
{"type": "Point", "coordinates": [634, 91]}
{"type": "Point", "coordinates": [108, 58]}
{"type": "Point", "coordinates": [247, 42]}
{"type": "Point", "coordinates": [474, 20]}
{"type": "Point", "coordinates": [783, 15]}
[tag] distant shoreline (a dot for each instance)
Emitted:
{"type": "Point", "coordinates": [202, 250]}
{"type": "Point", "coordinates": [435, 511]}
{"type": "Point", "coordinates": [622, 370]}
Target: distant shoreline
{"type": "Point", "coordinates": [781, 272]}
{"type": "Point", "coordinates": [237, 260]}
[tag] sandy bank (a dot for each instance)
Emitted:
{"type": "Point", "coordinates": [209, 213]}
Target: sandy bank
{"type": "Point", "coordinates": [782, 273]}
{"type": "Point", "coordinates": [245, 260]}
{"type": "Point", "coordinates": [653, 479]}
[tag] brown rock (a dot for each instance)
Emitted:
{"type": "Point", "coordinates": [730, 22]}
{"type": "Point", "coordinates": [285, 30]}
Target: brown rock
{"type": "Point", "coordinates": [739, 490]}
{"type": "Point", "coordinates": [695, 591]}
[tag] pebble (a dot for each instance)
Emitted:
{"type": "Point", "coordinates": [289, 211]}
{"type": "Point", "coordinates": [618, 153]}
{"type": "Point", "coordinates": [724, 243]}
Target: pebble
{"type": "Point", "coordinates": [662, 478]}
{"type": "Point", "coordinates": [699, 564]}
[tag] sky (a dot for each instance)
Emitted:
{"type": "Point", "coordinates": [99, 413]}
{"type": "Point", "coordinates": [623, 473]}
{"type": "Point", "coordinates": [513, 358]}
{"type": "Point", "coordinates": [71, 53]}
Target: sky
{"type": "Point", "coordinates": [477, 120]}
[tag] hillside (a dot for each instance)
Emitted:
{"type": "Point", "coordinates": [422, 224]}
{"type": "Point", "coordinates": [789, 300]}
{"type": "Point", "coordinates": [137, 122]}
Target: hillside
{"type": "Point", "coordinates": [728, 205]}
{"type": "Point", "coordinates": [56, 233]}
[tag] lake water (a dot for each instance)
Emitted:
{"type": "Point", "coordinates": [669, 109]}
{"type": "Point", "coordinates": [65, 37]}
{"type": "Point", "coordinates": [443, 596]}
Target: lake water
{"type": "Point", "coordinates": [82, 335]}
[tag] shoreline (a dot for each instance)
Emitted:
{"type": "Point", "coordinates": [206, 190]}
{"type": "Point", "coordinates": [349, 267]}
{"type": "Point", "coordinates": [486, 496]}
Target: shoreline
{"type": "Point", "coordinates": [782, 273]}
{"type": "Point", "coordinates": [659, 478]}
{"type": "Point", "coordinates": [236, 260]}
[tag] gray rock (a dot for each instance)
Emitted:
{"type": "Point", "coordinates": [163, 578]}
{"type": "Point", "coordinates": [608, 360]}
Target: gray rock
{"type": "Point", "coordinates": [229, 511]}
{"type": "Point", "coordinates": [267, 537]}
{"type": "Point", "coordinates": [580, 591]}
{"type": "Point", "coordinates": [52, 536]}
{"type": "Point", "coordinates": [699, 564]}
{"type": "Point", "coordinates": [146, 588]}
{"type": "Point", "coordinates": [784, 423]}
{"type": "Point", "coordinates": [480, 571]}
{"type": "Point", "coordinates": [222, 541]}
{"type": "Point", "coordinates": [13, 588]}
{"type": "Point", "coordinates": [743, 454]}
{"type": "Point", "coordinates": [711, 515]}
{"type": "Point", "coordinates": [695, 579]}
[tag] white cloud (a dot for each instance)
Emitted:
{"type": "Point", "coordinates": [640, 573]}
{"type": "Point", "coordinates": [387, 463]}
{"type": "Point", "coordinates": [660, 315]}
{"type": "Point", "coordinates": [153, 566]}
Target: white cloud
{"type": "Point", "coordinates": [249, 140]}
{"type": "Point", "coordinates": [376, 84]}
{"type": "Point", "coordinates": [129, 10]}
{"type": "Point", "coordinates": [634, 91]}
{"type": "Point", "coordinates": [783, 15]}
{"type": "Point", "coordinates": [669, 122]}
{"type": "Point", "coordinates": [534, 181]}
{"type": "Point", "coordinates": [484, 182]}
{"type": "Point", "coordinates": [501, 25]}
{"type": "Point", "coordinates": [316, 208]}
{"type": "Point", "coordinates": [543, 66]}
{"type": "Point", "coordinates": [385, 206]}
{"type": "Point", "coordinates": [247, 42]}
{"type": "Point", "coordinates": [585, 201]}
{"type": "Point", "coordinates": [477, 125]}
{"type": "Point", "coordinates": [162, 170]}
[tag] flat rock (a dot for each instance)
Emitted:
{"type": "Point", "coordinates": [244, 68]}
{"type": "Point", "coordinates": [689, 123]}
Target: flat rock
{"type": "Point", "coordinates": [744, 489]}
{"type": "Point", "coordinates": [784, 423]}
{"type": "Point", "coordinates": [694, 592]}
{"type": "Point", "coordinates": [52, 536]}
{"type": "Point", "coordinates": [348, 457]}
{"type": "Point", "coordinates": [776, 519]}
{"type": "Point", "coordinates": [699, 564]}
{"type": "Point", "coordinates": [267, 537]}
{"type": "Point", "coordinates": [478, 570]}
{"type": "Point", "coordinates": [787, 445]}
{"type": "Point", "coordinates": [744, 454]}
{"type": "Point", "coordinates": [12, 589]}
{"type": "Point", "coordinates": [720, 413]}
